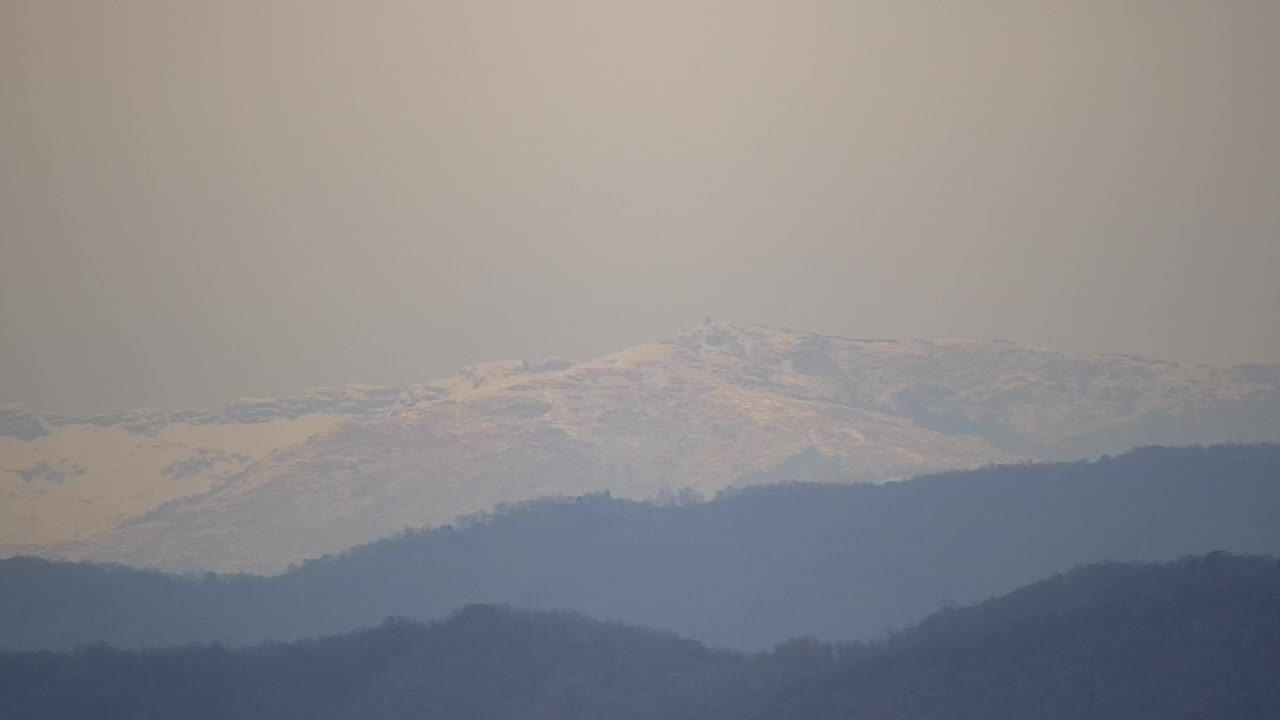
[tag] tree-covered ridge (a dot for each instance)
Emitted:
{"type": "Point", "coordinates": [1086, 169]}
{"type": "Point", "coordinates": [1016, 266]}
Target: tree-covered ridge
{"type": "Point", "coordinates": [1199, 638]}
{"type": "Point", "coordinates": [748, 569]}
{"type": "Point", "coordinates": [1196, 638]}
{"type": "Point", "coordinates": [483, 662]}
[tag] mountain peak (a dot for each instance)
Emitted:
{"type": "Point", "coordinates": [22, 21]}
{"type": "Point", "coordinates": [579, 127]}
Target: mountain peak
{"type": "Point", "coordinates": [717, 405]}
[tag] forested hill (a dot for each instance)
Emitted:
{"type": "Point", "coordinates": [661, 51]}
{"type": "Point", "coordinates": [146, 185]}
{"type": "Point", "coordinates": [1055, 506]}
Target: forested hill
{"type": "Point", "coordinates": [483, 662]}
{"type": "Point", "coordinates": [1198, 638]}
{"type": "Point", "coordinates": [749, 569]}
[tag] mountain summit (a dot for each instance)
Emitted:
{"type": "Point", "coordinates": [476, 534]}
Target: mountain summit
{"type": "Point", "coordinates": [269, 482]}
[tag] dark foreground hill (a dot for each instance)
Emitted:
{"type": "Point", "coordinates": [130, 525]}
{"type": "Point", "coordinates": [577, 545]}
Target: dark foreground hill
{"type": "Point", "coordinates": [748, 569]}
{"type": "Point", "coordinates": [484, 662]}
{"type": "Point", "coordinates": [1199, 638]}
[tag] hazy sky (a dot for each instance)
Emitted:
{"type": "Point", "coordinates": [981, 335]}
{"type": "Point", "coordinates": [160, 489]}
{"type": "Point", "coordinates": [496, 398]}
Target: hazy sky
{"type": "Point", "coordinates": [203, 200]}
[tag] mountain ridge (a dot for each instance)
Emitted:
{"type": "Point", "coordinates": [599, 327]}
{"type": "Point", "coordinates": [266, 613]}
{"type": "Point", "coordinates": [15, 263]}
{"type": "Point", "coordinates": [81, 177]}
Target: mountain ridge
{"type": "Point", "coordinates": [705, 410]}
{"type": "Point", "coordinates": [1197, 637]}
{"type": "Point", "coordinates": [746, 569]}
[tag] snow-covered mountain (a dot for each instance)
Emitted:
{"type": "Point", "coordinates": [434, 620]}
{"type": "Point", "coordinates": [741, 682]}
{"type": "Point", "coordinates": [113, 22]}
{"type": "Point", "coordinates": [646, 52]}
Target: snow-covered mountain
{"type": "Point", "coordinates": [269, 482]}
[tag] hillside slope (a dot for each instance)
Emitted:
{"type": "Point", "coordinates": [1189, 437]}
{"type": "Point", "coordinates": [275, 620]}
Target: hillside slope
{"type": "Point", "coordinates": [713, 407]}
{"type": "Point", "coordinates": [1199, 638]}
{"type": "Point", "coordinates": [483, 662]}
{"type": "Point", "coordinates": [749, 569]}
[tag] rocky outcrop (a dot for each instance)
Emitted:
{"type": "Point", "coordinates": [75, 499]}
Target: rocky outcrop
{"type": "Point", "coordinates": [19, 422]}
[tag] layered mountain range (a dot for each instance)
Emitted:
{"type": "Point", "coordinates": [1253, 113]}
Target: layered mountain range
{"type": "Point", "coordinates": [266, 483]}
{"type": "Point", "coordinates": [1199, 638]}
{"type": "Point", "coordinates": [747, 569]}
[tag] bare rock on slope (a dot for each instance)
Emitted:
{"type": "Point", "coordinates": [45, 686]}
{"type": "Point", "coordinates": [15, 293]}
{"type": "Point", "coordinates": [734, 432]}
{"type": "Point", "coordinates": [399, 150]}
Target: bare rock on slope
{"type": "Point", "coordinates": [717, 405]}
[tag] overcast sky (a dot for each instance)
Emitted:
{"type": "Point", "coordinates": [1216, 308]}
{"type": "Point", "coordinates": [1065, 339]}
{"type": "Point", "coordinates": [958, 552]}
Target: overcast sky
{"type": "Point", "coordinates": [205, 200]}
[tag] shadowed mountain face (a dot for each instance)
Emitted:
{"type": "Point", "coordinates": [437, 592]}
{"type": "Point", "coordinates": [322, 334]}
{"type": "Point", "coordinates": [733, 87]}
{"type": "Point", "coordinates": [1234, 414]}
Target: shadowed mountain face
{"type": "Point", "coordinates": [267, 483]}
{"type": "Point", "coordinates": [1195, 638]}
{"type": "Point", "coordinates": [748, 569]}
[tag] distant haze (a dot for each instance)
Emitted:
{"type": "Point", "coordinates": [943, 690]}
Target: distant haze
{"type": "Point", "coordinates": [202, 200]}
